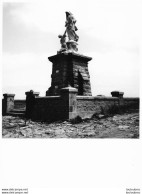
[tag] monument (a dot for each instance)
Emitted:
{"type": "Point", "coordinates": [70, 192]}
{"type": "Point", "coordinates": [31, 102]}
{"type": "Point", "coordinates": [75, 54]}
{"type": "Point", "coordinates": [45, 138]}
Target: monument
{"type": "Point", "coordinates": [69, 96]}
{"type": "Point", "coordinates": [69, 67]}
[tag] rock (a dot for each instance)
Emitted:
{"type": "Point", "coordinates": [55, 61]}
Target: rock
{"type": "Point", "coordinates": [23, 133]}
{"type": "Point", "coordinates": [76, 120]}
{"type": "Point", "coordinates": [48, 132]}
{"type": "Point", "coordinates": [8, 117]}
{"type": "Point", "coordinates": [131, 135]}
{"type": "Point", "coordinates": [72, 129]}
{"type": "Point", "coordinates": [4, 132]}
{"type": "Point", "coordinates": [22, 124]}
{"type": "Point", "coordinates": [86, 119]}
{"type": "Point", "coordinates": [25, 127]}
{"type": "Point", "coordinates": [10, 126]}
{"type": "Point", "coordinates": [65, 122]}
{"type": "Point", "coordinates": [123, 127]}
{"type": "Point", "coordinates": [118, 126]}
{"type": "Point", "coordinates": [100, 116]}
{"type": "Point", "coordinates": [7, 135]}
{"type": "Point", "coordinates": [16, 135]}
{"type": "Point", "coordinates": [114, 118]}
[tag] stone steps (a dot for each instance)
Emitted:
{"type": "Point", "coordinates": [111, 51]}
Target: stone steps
{"type": "Point", "coordinates": [17, 112]}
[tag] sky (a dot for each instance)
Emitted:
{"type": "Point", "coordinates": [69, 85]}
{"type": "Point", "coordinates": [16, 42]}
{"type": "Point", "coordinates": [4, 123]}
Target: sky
{"type": "Point", "coordinates": [108, 32]}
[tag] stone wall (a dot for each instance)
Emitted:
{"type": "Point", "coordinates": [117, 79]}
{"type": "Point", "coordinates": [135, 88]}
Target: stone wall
{"type": "Point", "coordinates": [52, 108]}
{"type": "Point", "coordinates": [131, 103]}
{"type": "Point", "coordinates": [20, 104]}
{"type": "Point", "coordinates": [88, 106]}
{"type": "Point", "coordinates": [47, 108]}
{"type": "Point", "coordinates": [9, 105]}
{"type": "Point", "coordinates": [68, 105]}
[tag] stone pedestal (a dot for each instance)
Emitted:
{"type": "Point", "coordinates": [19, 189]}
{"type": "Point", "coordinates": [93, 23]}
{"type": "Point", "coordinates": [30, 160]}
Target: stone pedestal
{"type": "Point", "coordinates": [70, 69]}
{"type": "Point", "coordinates": [7, 103]}
{"type": "Point", "coordinates": [68, 96]}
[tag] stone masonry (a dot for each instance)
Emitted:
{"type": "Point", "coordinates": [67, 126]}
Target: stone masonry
{"type": "Point", "coordinates": [8, 103]}
{"type": "Point", "coordinates": [70, 69]}
{"type": "Point", "coordinates": [69, 96]}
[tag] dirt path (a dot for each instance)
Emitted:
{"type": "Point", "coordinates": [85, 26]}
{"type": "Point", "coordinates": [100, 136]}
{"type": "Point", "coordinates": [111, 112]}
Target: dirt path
{"type": "Point", "coordinates": [118, 126]}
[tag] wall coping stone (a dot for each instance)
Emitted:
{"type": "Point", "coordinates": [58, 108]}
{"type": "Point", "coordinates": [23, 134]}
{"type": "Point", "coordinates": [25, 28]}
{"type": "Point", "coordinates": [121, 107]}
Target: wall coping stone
{"type": "Point", "coordinates": [69, 89]}
{"type": "Point", "coordinates": [105, 98]}
{"type": "Point", "coordinates": [48, 97]}
{"type": "Point", "coordinates": [117, 94]}
{"type": "Point", "coordinates": [32, 92]}
{"type": "Point", "coordinates": [8, 95]}
{"type": "Point", "coordinates": [20, 100]}
{"type": "Point", "coordinates": [96, 98]}
{"type": "Point", "coordinates": [131, 98]}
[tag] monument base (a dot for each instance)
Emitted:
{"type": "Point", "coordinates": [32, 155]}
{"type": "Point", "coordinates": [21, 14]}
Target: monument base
{"type": "Point", "coordinates": [70, 69]}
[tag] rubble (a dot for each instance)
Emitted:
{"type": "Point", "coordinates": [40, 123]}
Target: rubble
{"type": "Point", "coordinates": [118, 126]}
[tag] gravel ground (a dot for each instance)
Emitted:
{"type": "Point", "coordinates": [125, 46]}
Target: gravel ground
{"type": "Point", "coordinates": [118, 126]}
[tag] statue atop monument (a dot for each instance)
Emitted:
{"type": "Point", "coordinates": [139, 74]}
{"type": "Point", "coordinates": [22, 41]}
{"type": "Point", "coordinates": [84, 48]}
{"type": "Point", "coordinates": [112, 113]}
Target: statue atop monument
{"type": "Point", "coordinates": [70, 27]}
{"type": "Point", "coordinates": [69, 39]}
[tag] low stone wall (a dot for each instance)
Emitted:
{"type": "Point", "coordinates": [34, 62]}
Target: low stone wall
{"type": "Point", "coordinates": [68, 105]}
{"type": "Point", "coordinates": [9, 104]}
{"type": "Point", "coordinates": [131, 103]}
{"type": "Point", "coordinates": [48, 108]}
{"type": "Point", "coordinates": [19, 104]}
{"type": "Point", "coordinates": [88, 106]}
{"type": "Point", "coordinates": [58, 108]}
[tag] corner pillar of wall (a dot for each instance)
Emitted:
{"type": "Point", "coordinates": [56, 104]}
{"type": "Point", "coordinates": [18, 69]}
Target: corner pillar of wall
{"type": "Point", "coordinates": [68, 96]}
{"type": "Point", "coordinates": [30, 102]}
{"type": "Point", "coordinates": [117, 94]}
{"type": "Point", "coordinates": [7, 103]}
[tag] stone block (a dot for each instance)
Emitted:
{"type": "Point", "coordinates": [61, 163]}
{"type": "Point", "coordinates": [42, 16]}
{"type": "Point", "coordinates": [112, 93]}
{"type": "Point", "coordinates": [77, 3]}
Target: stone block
{"type": "Point", "coordinates": [117, 94]}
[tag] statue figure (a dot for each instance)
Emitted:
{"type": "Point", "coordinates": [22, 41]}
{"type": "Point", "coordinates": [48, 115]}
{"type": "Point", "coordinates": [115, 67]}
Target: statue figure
{"type": "Point", "coordinates": [69, 41]}
{"type": "Point", "coordinates": [63, 42]}
{"type": "Point", "coordinates": [70, 27]}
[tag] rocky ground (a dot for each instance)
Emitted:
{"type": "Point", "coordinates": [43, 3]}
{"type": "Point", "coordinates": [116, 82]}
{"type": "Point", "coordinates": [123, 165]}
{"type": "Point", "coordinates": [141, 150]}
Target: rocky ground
{"type": "Point", "coordinates": [118, 126]}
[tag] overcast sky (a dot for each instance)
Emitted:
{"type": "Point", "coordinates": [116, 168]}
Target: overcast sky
{"type": "Point", "coordinates": [108, 32]}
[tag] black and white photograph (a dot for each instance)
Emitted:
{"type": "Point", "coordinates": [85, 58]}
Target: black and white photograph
{"type": "Point", "coordinates": [71, 72]}
{"type": "Point", "coordinates": [70, 97]}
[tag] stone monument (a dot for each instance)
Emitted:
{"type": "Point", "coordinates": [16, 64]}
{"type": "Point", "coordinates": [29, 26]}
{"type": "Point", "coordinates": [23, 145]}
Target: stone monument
{"type": "Point", "coordinates": [69, 67]}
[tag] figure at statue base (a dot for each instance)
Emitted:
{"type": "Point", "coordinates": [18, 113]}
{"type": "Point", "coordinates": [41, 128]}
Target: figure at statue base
{"type": "Point", "coordinates": [63, 43]}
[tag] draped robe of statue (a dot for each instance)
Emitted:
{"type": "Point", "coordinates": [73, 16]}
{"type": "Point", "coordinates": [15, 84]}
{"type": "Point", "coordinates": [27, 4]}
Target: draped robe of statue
{"type": "Point", "coordinates": [70, 27]}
